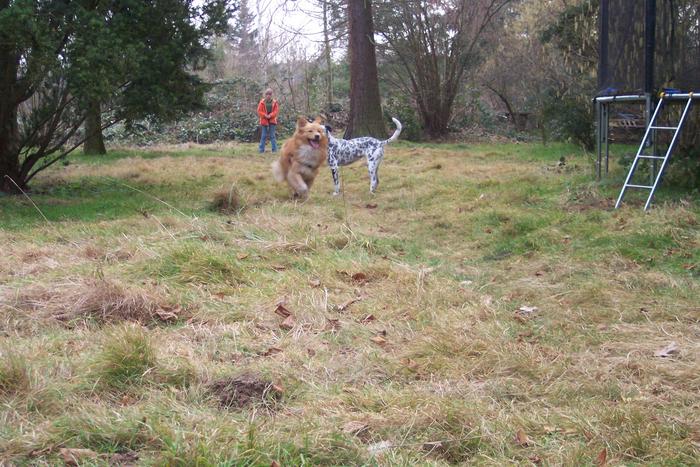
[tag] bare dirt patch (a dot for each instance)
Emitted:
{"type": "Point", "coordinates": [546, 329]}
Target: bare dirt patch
{"type": "Point", "coordinates": [245, 390]}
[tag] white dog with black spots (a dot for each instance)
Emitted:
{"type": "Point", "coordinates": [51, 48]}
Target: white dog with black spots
{"type": "Point", "coordinates": [347, 151]}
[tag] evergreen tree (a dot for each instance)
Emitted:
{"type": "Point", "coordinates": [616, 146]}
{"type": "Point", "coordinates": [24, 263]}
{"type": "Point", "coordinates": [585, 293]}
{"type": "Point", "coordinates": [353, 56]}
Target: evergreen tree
{"type": "Point", "coordinates": [57, 58]}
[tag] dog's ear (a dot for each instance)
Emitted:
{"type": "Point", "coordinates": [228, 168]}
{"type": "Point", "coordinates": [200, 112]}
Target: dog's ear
{"type": "Point", "coordinates": [319, 119]}
{"type": "Point", "coordinates": [302, 121]}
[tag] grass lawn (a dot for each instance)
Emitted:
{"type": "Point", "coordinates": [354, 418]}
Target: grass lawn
{"type": "Point", "coordinates": [487, 306]}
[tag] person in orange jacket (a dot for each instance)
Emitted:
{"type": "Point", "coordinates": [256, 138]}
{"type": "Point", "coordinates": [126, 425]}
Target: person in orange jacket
{"type": "Point", "coordinates": [268, 108]}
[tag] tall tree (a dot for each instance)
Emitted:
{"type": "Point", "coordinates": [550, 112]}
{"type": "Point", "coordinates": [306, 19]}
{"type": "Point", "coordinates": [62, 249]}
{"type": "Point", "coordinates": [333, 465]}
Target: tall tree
{"type": "Point", "coordinates": [437, 42]}
{"type": "Point", "coordinates": [58, 57]}
{"type": "Point", "coordinates": [365, 105]}
{"type": "Point", "coordinates": [94, 141]}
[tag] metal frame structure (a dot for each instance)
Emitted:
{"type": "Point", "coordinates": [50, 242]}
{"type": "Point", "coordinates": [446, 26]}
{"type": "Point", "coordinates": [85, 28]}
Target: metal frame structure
{"type": "Point", "coordinates": [649, 140]}
{"type": "Point", "coordinates": [646, 88]}
{"type": "Point", "coordinates": [602, 105]}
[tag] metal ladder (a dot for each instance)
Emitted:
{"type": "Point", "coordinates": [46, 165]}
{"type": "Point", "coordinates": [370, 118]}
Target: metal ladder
{"type": "Point", "coordinates": [640, 152]}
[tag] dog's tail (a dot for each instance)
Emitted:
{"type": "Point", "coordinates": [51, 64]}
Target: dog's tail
{"type": "Point", "coordinates": [277, 172]}
{"type": "Point", "coordinates": [396, 134]}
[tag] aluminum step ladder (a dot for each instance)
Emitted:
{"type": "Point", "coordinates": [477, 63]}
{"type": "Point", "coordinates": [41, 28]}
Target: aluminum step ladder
{"type": "Point", "coordinates": [647, 143]}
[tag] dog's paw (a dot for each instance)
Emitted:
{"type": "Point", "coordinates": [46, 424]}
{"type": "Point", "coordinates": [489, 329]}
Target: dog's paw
{"type": "Point", "coordinates": [301, 195]}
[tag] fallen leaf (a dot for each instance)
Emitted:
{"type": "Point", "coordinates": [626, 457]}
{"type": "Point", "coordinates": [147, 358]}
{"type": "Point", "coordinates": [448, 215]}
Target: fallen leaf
{"type": "Point", "coordinates": [279, 267]}
{"type": "Point", "coordinates": [368, 319]}
{"type": "Point", "coordinates": [275, 464]}
{"type": "Point", "coordinates": [521, 439]}
{"type": "Point", "coordinates": [288, 323]}
{"type": "Point", "coordinates": [271, 351]}
{"type": "Point", "coordinates": [281, 310]}
{"type": "Point", "coordinates": [668, 351]}
{"type": "Point", "coordinates": [355, 427]}
{"type": "Point", "coordinates": [277, 388]}
{"type": "Point", "coordinates": [75, 457]}
{"type": "Point", "coordinates": [359, 277]}
{"type": "Point", "coordinates": [379, 340]}
{"type": "Point", "coordinates": [602, 458]}
{"type": "Point", "coordinates": [242, 256]}
{"type": "Point", "coordinates": [315, 283]}
{"type": "Point", "coordinates": [371, 206]}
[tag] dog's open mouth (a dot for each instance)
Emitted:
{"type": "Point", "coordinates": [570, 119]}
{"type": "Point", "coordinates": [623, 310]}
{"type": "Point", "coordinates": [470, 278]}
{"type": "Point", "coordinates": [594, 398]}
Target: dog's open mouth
{"type": "Point", "coordinates": [314, 143]}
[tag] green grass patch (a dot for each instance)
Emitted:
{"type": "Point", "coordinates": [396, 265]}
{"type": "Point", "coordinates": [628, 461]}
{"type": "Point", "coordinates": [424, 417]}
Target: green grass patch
{"type": "Point", "coordinates": [487, 305]}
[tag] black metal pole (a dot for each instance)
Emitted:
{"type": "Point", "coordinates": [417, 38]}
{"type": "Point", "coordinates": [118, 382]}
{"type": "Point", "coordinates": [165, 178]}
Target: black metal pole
{"type": "Point", "coordinates": [649, 45]}
{"type": "Point", "coordinates": [649, 48]}
{"type": "Point", "coordinates": [603, 71]}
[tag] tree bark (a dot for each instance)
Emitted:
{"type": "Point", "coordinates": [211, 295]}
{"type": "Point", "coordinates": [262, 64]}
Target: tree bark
{"type": "Point", "coordinates": [94, 142]}
{"type": "Point", "coordinates": [329, 61]}
{"type": "Point", "coordinates": [9, 130]}
{"type": "Point", "coordinates": [365, 104]}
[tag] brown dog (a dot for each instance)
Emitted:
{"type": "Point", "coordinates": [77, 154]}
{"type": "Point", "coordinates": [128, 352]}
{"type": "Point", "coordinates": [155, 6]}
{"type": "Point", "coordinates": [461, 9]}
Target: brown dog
{"type": "Point", "coordinates": [301, 156]}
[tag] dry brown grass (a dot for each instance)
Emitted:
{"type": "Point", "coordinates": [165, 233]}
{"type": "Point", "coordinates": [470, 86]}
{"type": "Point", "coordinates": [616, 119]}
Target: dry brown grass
{"type": "Point", "coordinates": [405, 345]}
{"type": "Point", "coordinates": [97, 300]}
{"type": "Point", "coordinates": [228, 201]}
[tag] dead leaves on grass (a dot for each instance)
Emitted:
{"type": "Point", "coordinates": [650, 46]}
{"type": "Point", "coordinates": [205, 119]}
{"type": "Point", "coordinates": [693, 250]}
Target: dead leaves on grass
{"type": "Point", "coordinates": [74, 457]}
{"type": "Point", "coordinates": [522, 439]}
{"type": "Point", "coordinates": [288, 322]}
{"type": "Point", "coordinates": [101, 300]}
{"type": "Point", "coordinates": [78, 456]}
{"type": "Point", "coordinates": [602, 458]}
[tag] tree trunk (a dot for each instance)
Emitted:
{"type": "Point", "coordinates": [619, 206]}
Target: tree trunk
{"type": "Point", "coordinates": [9, 131]}
{"type": "Point", "coordinates": [94, 143]}
{"type": "Point", "coordinates": [9, 158]}
{"type": "Point", "coordinates": [365, 105]}
{"type": "Point", "coordinates": [329, 61]}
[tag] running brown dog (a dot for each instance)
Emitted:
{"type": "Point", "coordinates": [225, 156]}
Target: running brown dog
{"type": "Point", "coordinates": [302, 155]}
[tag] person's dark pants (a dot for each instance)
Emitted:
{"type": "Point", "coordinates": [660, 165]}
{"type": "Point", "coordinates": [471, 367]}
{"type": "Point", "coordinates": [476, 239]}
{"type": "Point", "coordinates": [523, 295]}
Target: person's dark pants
{"type": "Point", "coordinates": [268, 130]}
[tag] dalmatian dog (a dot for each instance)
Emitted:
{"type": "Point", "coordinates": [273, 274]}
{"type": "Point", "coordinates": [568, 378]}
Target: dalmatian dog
{"type": "Point", "coordinates": [347, 151]}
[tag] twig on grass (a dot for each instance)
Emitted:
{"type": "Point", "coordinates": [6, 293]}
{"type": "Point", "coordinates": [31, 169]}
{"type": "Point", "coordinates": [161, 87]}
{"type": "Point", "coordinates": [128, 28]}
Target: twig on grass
{"type": "Point", "coordinates": [155, 198]}
{"type": "Point", "coordinates": [30, 200]}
